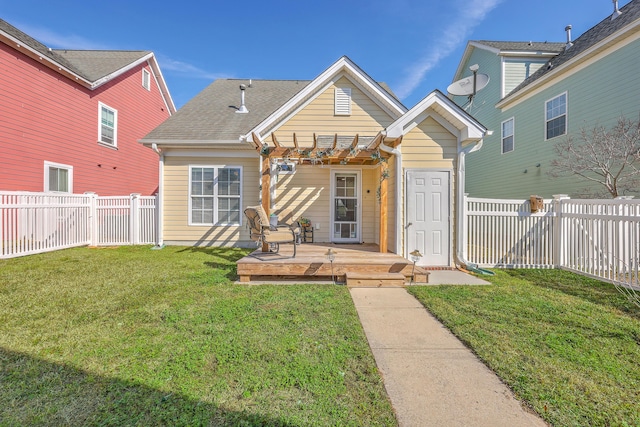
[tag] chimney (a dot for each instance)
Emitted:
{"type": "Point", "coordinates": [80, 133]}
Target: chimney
{"type": "Point", "coordinates": [569, 42]}
{"type": "Point", "coordinates": [243, 108]}
{"type": "Point", "coordinates": [616, 11]}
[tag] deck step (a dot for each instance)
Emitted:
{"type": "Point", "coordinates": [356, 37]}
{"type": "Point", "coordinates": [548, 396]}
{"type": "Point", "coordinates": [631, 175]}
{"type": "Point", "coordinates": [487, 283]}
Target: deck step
{"type": "Point", "coordinates": [374, 280]}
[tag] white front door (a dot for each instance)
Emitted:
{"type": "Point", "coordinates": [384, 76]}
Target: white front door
{"type": "Point", "coordinates": [345, 207]}
{"type": "Point", "coordinates": [428, 216]}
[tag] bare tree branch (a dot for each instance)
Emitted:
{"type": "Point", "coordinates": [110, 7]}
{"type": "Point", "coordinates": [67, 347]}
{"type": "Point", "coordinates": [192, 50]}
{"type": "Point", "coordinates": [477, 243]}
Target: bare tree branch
{"type": "Point", "coordinates": [607, 157]}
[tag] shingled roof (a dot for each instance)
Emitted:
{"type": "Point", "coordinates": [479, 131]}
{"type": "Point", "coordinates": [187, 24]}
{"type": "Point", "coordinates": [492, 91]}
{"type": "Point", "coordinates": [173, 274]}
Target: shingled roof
{"type": "Point", "coordinates": [211, 115]}
{"type": "Point", "coordinates": [523, 46]}
{"type": "Point", "coordinates": [607, 27]}
{"type": "Point", "coordinates": [91, 65]}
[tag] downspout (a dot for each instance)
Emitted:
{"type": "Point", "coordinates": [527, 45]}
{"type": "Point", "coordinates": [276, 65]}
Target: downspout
{"type": "Point", "coordinates": [399, 179]}
{"type": "Point", "coordinates": [461, 252]}
{"type": "Point", "coordinates": [159, 212]}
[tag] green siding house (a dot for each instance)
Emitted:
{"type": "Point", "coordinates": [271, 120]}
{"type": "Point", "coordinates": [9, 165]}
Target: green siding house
{"type": "Point", "coordinates": [539, 93]}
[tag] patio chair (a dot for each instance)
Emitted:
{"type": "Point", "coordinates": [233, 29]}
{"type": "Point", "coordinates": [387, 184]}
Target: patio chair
{"type": "Point", "coordinates": [286, 219]}
{"type": "Point", "coordinates": [261, 231]}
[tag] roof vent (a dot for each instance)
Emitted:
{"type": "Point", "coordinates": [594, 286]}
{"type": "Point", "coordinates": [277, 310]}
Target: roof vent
{"type": "Point", "coordinates": [243, 108]}
{"type": "Point", "coordinates": [569, 42]}
{"type": "Point", "coordinates": [616, 11]}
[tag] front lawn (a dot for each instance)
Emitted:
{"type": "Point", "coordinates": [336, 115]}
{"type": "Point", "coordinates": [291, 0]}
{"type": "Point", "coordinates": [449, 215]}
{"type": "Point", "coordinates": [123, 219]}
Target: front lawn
{"type": "Point", "coordinates": [567, 345]}
{"type": "Point", "coordinates": [133, 336]}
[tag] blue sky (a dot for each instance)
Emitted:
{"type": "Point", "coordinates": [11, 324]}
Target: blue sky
{"type": "Point", "coordinates": [412, 45]}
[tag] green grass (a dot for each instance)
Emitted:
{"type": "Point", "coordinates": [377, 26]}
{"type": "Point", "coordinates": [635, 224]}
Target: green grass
{"type": "Point", "coordinates": [133, 336]}
{"type": "Point", "coordinates": [567, 345]}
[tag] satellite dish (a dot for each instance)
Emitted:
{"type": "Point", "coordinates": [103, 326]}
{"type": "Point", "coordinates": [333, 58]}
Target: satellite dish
{"type": "Point", "coordinates": [465, 87]}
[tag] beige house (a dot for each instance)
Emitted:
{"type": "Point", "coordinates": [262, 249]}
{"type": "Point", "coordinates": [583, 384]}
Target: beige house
{"type": "Point", "coordinates": [340, 150]}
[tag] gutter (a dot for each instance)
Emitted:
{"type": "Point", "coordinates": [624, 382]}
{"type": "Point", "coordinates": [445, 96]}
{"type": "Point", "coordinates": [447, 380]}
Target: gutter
{"type": "Point", "coordinates": [461, 235]}
{"type": "Point", "coordinates": [399, 179]}
{"type": "Point", "coordinates": [159, 198]}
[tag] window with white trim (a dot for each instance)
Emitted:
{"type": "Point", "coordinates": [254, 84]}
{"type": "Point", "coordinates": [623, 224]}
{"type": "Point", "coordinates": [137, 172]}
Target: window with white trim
{"type": "Point", "coordinates": [508, 131]}
{"type": "Point", "coordinates": [108, 125]}
{"type": "Point", "coordinates": [556, 116]}
{"type": "Point", "coordinates": [342, 98]}
{"type": "Point", "coordinates": [146, 79]}
{"type": "Point", "coordinates": [58, 177]}
{"type": "Point", "coordinates": [214, 195]}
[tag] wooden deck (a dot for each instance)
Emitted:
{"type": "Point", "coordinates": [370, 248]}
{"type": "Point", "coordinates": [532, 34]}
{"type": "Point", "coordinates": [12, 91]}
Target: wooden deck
{"type": "Point", "coordinates": [354, 265]}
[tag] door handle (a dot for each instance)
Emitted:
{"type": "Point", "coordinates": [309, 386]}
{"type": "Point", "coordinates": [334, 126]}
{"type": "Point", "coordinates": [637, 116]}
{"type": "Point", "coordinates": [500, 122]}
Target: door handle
{"type": "Point", "coordinates": [409, 225]}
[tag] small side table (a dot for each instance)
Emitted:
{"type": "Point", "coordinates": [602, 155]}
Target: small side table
{"type": "Point", "coordinates": [307, 234]}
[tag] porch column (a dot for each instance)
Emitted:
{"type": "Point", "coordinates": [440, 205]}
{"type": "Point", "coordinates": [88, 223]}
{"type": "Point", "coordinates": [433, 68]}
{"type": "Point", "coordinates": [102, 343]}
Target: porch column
{"type": "Point", "coordinates": [266, 191]}
{"type": "Point", "coordinates": [383, 215]}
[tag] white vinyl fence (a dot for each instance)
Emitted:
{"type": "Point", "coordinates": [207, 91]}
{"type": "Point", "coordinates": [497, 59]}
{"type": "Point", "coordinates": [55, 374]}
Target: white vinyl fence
{"type": "Point", "coordinates": [597, 238]}
{"type": "Point", "coordinates": [39, 222]}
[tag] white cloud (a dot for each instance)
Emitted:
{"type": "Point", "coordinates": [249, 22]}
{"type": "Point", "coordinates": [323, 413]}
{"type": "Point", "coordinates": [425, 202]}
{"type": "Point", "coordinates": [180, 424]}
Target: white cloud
{"type": "Point", "coordinates": [168, 64]}
{"type": "Point", "coordinates": [469, 15]}
{"type": "Point", "coordinates": [61, 41]}
{"type": "Point", "coordinates": [70, 41]}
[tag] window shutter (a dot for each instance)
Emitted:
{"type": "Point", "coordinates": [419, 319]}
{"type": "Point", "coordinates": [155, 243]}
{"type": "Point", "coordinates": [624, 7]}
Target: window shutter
{"type": "Point", "coordinates": [342, 101]}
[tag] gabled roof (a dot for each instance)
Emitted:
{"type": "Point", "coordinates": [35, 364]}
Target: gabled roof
{"type": "Point", "coordinates": [509, 48]}
{"type": "Point", "coordinates": [594, 39]}
{"type": "Point", "coordinates": [458, 121]}
{"type": "Point", "coordinates": [343, 67]}
{"type": "Point", "coordinates": [89, 68]}
{"type": "Point", "coordinates": [505, 47]}
{"type": "Point", "coordinates": [211, 115]}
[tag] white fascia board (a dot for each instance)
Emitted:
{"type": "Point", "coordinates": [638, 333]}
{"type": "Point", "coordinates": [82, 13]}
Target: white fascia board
{"type": "Point", "coordinates": [467, 54]}
{"type": "Point", "coordinates": [162, 84]}
{"type": "Point", "coordinates": [116, 73]}
{"type": "Point", "coordinates": [53, 64]}
{"type": "Point", "coordinates": [185, 143]}
{"type": "Point", "coordinates": [342, 65]}
{"type": "Point", "coordinates": [580, 60]}
{"type": "Point", "coordinates": [463, 120]}
{"type": "Point", "coordinates": [214, 152]}
{"type": "Point", "coordinates": [529, 54]}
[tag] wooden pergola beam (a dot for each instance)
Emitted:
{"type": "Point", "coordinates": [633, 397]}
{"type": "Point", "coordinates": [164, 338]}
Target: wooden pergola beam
{"type": "Point", "coordinates": [384, 238]}
{"type": "Point", "coordinates": [396, 142]}
{"type": "Point", "coordinates": [275, 140]}
{"type": "Point", "coordinates": [256, 141]}
{"type": "Point", "coordinates": [376, 142]}
{"type": "Point", "coordinates": [354, 143]}
{"type": "Point", "coordinates": [266, 191]}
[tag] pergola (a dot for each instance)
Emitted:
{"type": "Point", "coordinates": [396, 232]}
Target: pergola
{"type": "Point", "coordinates": [330, 150]}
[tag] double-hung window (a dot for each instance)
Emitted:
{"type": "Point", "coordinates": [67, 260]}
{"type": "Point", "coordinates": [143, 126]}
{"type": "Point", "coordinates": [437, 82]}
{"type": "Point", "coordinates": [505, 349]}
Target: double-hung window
{"type": "Point", "coordinates": [108, 125]}
{"type": "Point", "coordinates": [58, 177]}
{"type": "Point", "coordinates": [214, 195]}
{"type": "Point", "coordinates": [508, 131]}
{"type": "Point", "coordinates": [556, 116]}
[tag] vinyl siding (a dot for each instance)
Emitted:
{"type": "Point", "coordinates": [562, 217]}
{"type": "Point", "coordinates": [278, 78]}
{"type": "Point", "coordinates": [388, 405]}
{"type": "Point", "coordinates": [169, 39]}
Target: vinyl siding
{"type": "Point", "coordinates": [366, 119]}
{"type": "Point", "coordinates": [594, 97]}
{"type": "Point", "coordinates": [517, 70]}
{"type": "Point", "coordinates": [46, 117]}
{"type": "Point", "coordinates": [430, 146]}
{"type": "Point", "coordinates": [308, 192]}
{"type": "Point", "coordinates": [176, 228]}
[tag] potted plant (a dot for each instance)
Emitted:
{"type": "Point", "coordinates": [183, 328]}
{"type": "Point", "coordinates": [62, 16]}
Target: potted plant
{"type": "Point", "coordinates": [304, 222]}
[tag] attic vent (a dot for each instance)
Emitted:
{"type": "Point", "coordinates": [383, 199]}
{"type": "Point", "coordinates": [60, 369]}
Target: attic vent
{"type": "Point", "coordinates": [343, 101]}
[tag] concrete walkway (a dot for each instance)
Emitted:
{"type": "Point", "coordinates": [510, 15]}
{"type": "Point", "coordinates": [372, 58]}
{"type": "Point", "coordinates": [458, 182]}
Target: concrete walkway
{"type": "Point", "coordinates": [432, 379]}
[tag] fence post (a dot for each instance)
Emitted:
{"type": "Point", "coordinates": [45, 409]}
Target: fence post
{"type": "Point", "coordinates": [93, 218]}
{"type": "Point", "coordinates": [558, 230]}
{"type": "Point", "coordinates": [134, 222]}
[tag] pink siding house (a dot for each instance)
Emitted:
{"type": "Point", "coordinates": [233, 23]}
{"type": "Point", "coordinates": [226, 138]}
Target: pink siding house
{"type": "Point", "coordinates": [70, 120]}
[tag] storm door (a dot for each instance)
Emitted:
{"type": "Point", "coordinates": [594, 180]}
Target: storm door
{"type": "Point", "coordinates": [345, 202]}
